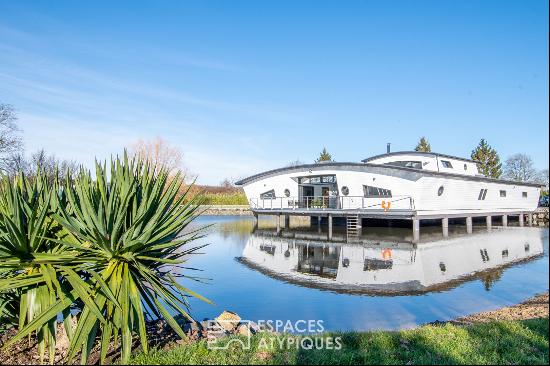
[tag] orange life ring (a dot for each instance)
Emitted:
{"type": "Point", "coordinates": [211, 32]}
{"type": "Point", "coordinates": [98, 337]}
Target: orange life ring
{"type": "Point", "coordinates": [386, 254]}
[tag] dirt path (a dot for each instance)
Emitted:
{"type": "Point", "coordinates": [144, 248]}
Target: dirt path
{"type": "Point", "coordinates": [535, 307]}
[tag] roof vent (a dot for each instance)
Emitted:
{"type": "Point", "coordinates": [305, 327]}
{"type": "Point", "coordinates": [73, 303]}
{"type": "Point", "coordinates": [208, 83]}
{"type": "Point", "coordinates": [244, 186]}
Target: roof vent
{"type": "Point", "coordinates": [388, 147]}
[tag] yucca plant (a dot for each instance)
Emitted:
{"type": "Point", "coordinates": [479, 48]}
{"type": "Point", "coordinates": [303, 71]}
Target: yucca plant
{"type": "Point", "coordinates": [9, 306]}
{"type": "Point", "coordinates": [126, 224]}
{"type": "Point", "coordinates": [33, 265]}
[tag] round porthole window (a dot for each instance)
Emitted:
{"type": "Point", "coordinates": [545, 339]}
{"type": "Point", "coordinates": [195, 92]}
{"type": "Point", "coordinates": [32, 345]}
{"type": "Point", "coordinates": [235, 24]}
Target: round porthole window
{"type": "Point", "coordinates": [287, 192]}
{"type": "Point", "coordinates": [440, 191]}
{"type": "Point", "coordinates": [345, 190]}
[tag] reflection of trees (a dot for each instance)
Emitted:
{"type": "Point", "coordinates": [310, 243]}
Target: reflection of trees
{"type": "Point", "coordinates": [490, 278]}
{"type": "Point", "coordinates": [238, 228]}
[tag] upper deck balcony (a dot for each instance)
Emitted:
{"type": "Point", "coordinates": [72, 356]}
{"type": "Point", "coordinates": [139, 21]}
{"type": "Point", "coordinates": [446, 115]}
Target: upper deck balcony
{"type": "Point", "coordinates": [400, 206]}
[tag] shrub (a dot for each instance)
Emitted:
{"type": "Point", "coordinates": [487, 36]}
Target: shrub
{"type": "Point", "coordinates": [109, 242]}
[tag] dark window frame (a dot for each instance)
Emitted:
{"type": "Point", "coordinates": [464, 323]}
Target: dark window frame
{"type": "Point", "coordinates": [416, 164]}
{"type": "Point", "coordinates": [447, 164]}
{"type": "Point", "coordinates": [376, 192]}
{"type": "Point", "coordinates": [268, 195]}
{"type": "Point", "coordinates": [482, 194]}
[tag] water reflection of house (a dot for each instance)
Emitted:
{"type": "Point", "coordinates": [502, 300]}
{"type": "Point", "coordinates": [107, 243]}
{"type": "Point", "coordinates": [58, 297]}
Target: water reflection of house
{"type": "Point", "coordinates": [392, 267]}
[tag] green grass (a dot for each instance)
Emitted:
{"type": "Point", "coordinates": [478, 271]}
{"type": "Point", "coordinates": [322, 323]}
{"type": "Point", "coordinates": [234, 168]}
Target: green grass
{"type": "Point", "coordinates": [234, 198]}
{"type": "Point", "coordinates": [504, 342]}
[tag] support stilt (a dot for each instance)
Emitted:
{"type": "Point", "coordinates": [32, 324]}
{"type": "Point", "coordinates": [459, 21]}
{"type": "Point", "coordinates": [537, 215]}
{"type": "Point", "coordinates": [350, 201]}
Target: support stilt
{"type": "Point", "coordinates": [521, 220]}
{"type": "Point", "coordinates": [469, 224]}
{"type": "Point", "coordinates": [504, 220]}
{"type": "Point", "coordinates": [329, 236]}
{"type": "Point", "coordinates": [416, 230]}
{"type": "Point", "coordinates": [445, 226]}
{"type": "Point", "coordinates": [489, 221]}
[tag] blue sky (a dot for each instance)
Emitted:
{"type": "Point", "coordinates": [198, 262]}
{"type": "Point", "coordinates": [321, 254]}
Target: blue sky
{"type": "Point", "coordinates": [243, 87]}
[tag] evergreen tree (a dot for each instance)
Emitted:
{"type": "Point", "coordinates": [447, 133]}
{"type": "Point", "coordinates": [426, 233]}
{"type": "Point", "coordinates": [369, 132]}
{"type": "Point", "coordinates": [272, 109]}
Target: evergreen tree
{"type": "Point", "coordinates": [423, 145]}
{"type": "Point", "coordinates": [325, 156]}
{"type": "Point", "coordinates": [488, 161]}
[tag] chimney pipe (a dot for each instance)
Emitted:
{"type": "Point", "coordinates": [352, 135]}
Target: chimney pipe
{"type": "Point", "coordinates": [388, 147]}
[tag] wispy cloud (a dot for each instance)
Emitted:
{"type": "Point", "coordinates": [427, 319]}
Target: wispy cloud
{"type": "Point", "coordinates": [79, 112]}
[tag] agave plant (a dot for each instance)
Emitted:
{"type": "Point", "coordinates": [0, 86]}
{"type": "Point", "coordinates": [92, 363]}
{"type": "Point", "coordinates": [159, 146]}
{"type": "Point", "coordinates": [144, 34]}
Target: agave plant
{"type": "Point", "coordinates": [9, 306]}
{"type": "Point", "coordinates": [106, 246]}
{"type": "Point", "coordinates": [32, 265]}
{"type": "Point", "coordinates": [127, 228]}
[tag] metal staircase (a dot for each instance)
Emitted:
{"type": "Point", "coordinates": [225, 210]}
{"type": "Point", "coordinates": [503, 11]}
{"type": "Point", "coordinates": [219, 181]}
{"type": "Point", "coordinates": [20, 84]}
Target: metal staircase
{"type": "Point", "coordinates": [353, 226]}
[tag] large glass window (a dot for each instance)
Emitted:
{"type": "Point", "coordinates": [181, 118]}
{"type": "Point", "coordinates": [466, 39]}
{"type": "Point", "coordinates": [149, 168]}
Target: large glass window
{"type": "Point", "coordinates": [269, 195]}
{"type": "Point", "coordinates": [406, 164]}
{"type": "Point", "coordinates": [318, 179]}
{"type": "Point", "coordinates": [370, 191]}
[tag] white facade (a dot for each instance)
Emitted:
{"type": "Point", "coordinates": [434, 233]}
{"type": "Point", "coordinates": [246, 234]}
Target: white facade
{"type": "Point", "coordinates": [438, 184]}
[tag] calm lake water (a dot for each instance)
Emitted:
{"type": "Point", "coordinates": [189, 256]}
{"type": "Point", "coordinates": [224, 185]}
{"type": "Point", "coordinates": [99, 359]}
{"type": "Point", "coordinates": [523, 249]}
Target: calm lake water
{"type": "Point", "coordinates": [384, 282]}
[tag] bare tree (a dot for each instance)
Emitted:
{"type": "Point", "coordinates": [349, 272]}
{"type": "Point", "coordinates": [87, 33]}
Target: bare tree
{"type": "Point", "coordinates": [519, 167]}
{"type": "Point", "coordinates": [160, 153]}
{"type": "Point", "coordinates": [15, 163]}
{"type": "Point", "coordinates": [10, 139]}
{"type": "Point", "coordinates": [227, 183]}
{"type": "Point", "coordinates": [51, 166]}
{"type": "Point", "coordinates": [543, 178]}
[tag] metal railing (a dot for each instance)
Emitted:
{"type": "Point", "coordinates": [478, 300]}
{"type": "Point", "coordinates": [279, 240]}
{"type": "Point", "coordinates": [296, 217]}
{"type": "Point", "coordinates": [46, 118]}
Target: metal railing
{"type": "Point", "coordinates": [334, 203]}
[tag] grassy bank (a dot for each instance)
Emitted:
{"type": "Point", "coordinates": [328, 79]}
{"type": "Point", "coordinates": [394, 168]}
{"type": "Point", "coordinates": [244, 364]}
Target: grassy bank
{"type": "Point", "coordinates": [219, 195]}
{"type": "Point", "coordinates": [503, 342]}
{"type": "Point", "coordinates": [233, 198]}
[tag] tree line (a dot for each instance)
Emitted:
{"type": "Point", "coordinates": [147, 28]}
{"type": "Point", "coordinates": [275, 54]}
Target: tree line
{"type": "Point", "coordinates": [518, 167]}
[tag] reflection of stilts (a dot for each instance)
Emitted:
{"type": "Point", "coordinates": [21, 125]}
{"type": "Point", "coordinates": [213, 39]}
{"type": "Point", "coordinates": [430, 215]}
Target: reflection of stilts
{"type": "Point", "coordinates": [255, 227]}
